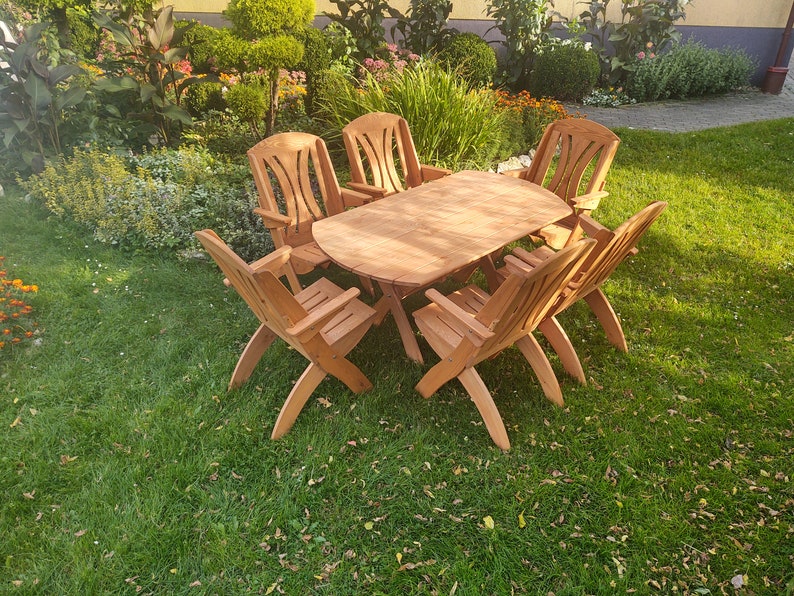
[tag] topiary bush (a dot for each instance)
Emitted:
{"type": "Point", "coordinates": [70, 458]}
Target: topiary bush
{"type": "Point", "coordinates": [316, 59]}
{"type": "Point", "coordinates": [248, 102]}
{"type": "Point", "coordinates": [471, 57]}
{"type": "Point", "coordinates": [689, 70]}
{"type": "Point", "coordinates": [254, 18]}
{"type": "Point", "coordinates": [564, 71]}
{"type": "Point", "coordinates": [199, 41]}
{"type": "Point", "coordinates": [83, 36]}
{"type": "Point", "coordinates": [200, 98]}
{"type": "Point", "coordinates": [156, 200]}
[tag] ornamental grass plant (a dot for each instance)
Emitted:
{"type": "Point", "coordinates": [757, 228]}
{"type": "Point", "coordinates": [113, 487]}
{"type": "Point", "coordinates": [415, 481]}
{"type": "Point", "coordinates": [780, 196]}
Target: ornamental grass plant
{"type": "Point", "coordinates": [452, 126]}
{"type": "Point", "coordinates": [127, 467]}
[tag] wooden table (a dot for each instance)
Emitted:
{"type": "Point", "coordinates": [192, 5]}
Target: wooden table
{"type": "Point", "coordinates": [417, 237]}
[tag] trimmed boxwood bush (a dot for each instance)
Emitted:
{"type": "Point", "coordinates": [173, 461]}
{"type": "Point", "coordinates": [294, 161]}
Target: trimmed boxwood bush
{"type": "Point", "coordinates": [566, 72]}
{"type": "Point", "coordinates": [200, 98]}
{"type": "Point", "coordinates": [198, 40]}
{"type": "Point", "coordinates": [316, 59]}
{"type": "Point", "coordinates": [471, 57]}
{"type": "Point", "coordinates": [248, 102]}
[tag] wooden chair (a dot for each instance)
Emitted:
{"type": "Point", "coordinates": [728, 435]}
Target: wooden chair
{"type": "Point", "coordinates": [585, 151]}
{"type": "Point", "coordinates": [611, 249]}
{"type": "Point", "coordinates": [378, 136]}
{"type": "Point", "coordinates": [322, 322]}
{"type": "Point", "coordinates": [469, 326]}
{"type": "Point", "coordinates": [300, 166]}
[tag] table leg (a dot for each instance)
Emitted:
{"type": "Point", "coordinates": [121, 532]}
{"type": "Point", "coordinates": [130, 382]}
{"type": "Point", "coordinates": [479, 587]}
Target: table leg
{"type": "Point", "coordinates": [488, 268]}
{"type": "Point", "coordinates": [394, 297]}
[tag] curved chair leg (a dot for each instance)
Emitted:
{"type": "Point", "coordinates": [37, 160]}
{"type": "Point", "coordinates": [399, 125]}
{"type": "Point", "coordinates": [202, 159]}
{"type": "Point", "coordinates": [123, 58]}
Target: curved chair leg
{"type": "Point", "coordinates": [258, 344]}
{"type": "Point", "coordinates": [334, 363]}
{"type": "Point", "coordinates": [561, 344]}
{"type": "Point", "coordinates": [297, 398]}
{"type": "Point", "coordinates": [347, 372]}
{"type": "Point", "coordinates": [448, 368]}
{"type": "Point", "coordinates": [532, 351]}
{"type": "Point", "coordinates": [598, 303]}
{"type": "Point", "coordinates": [481, 397]}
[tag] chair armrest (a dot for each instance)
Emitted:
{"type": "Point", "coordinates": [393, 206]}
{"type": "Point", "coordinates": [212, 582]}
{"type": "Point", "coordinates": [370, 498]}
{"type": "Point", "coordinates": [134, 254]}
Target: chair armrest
{"type": "Point", "coordinates": [588, 201]}
{"type": "Point", "coordinates": [273, 261]}
{"type": "Point", "coordinates": [354, 198]}
{"type": "Point", "coordinates": [433, 173]}
{"type": "Point", "coordinates": [314, 323]}
{"type": "Point", "coordinates": [467, 323]}
{"type": "Point", "coordinates": [273, 219]}
{"type": "Point", "coordinates": [518, 173]}
{"type": "Point", "coordinates": [590, 226]}
{"type": "Point", "coordinates": [376, 192]}
{"type": "Point", "coordinates": [535, 257]}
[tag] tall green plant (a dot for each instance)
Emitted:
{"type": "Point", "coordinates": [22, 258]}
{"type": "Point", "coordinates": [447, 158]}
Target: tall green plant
{"type": "Point", "coordinates": [450, 125]}
{"type": "Point", "coordinates": [364, 20]}
{"type": "Point", "coordinates": [524, 25]}
{"type": "Point", "coordinates": [36, 94]}
{"type": "Point", "coordinates": [643, 24]}
{"type": "Point", "coordinates": [424, 28]}
{"type": "Point", "coordinates": [151, 52]}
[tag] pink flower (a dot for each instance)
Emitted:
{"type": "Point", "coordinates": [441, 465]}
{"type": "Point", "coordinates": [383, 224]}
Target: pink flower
{"type": "Point", "coordinates": [640, 55]}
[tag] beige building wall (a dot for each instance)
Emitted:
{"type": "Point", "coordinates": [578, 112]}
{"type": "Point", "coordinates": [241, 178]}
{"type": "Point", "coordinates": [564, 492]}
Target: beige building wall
{"type": "Point", "coordinates": [707, 13]}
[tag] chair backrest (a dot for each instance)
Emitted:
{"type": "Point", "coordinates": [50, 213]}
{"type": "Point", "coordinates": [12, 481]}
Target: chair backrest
{"type": "Point", "coordinates": [585, 150]}
{"type": "Point", "coordinates": [522, 301]}
{"type": "Point", "coordinates": [300, 166]}
{"type": "Point", "coordinates": [386, 143]}
{"type": "Point", "coordinates": [271, 302]}
{"type": "Point", "coordinates": [612, 248]}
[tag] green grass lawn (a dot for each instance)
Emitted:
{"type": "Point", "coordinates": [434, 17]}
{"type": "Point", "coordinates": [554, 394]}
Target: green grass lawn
{"type": "Point", "coordinates": [126, 467]}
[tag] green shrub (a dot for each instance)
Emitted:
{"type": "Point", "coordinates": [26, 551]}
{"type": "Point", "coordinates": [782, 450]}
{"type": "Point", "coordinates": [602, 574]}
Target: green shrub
{"type": "Point", "coordinates": [253, 19]}
{"type": "Point", "coordinates": [249, 103]}
{"type": "Point", "coordinates": [199, 40]}
{"type": "Point", "coordinates": [200, 98]}
{"type": "Point", "coordinates": [450, 124]}
{"type": "Point", "coordinates": [690, 70]}
{"type": "Point", "coordinates": [221, 134]}
{"type": "Point", "coordinates": [83, 36]}
{"type": "Point", "coordinates": [316, 59]}
{"type": "Point", "coordinates": [471, 57]}
{"type": "Point", "coordinates": [566, 72]}
{"type": "Point", "coordinates": [155, 200]}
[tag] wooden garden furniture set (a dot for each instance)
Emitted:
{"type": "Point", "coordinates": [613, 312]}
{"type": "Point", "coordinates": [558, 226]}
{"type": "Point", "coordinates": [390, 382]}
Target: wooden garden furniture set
{"type": "Point", "coordinates": [402, 227]}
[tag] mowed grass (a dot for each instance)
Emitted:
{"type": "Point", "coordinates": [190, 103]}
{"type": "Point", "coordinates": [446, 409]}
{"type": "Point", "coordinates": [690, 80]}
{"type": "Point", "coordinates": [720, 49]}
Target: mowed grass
{"type": "Point", "coordinates": [130, 468]}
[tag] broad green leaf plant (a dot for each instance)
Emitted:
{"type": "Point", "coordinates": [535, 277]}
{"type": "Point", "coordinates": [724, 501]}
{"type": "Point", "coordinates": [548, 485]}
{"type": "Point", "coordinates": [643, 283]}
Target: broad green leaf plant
{"type": "Point", "coordinates": [151, 54]}
{"type": "Point", "coordinates": [644, 24]}
{"type": "Point", "coordinates": [36, 93]}
{"type": "Point", "coordinates": [524, 25]}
